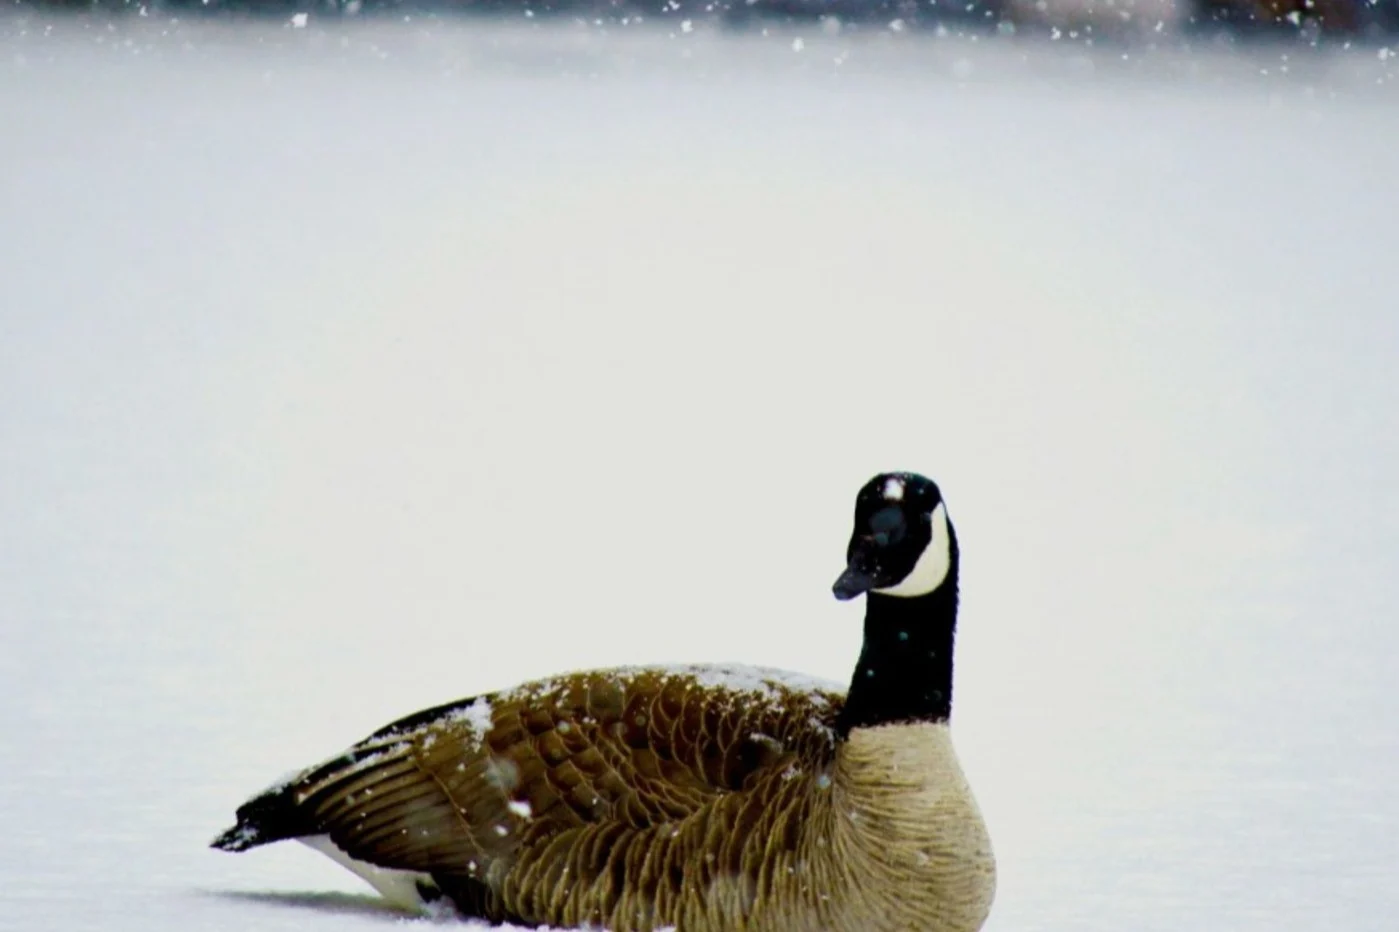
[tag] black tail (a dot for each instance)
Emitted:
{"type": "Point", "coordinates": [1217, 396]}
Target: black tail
{"type": "Point", "coordinates": [262, 820]}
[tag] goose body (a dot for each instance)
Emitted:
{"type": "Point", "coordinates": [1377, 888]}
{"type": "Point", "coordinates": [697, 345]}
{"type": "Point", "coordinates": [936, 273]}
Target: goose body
{"type": "Point", "coordinates": [699, 798]}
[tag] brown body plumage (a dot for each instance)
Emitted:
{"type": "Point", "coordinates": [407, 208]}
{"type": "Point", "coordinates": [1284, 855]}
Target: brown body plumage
{"type": "Point", "coordinates": [704, 799]}
{"type": "Point", "coordinates": [700, 798]}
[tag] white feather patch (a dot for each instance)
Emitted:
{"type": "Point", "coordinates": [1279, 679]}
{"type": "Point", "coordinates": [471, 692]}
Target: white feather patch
{"type": "Point", "coordinates": [933, 563]}
{"type": "Point", "coordinates": [398, 887]}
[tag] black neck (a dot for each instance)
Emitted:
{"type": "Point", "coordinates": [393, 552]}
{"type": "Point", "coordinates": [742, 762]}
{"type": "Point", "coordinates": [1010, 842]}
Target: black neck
{"type": "Point", "coordinates": [905, 668]}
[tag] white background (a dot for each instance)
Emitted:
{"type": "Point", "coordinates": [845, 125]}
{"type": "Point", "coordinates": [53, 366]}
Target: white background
{"type": "Point", "coordinates": [349, 370]}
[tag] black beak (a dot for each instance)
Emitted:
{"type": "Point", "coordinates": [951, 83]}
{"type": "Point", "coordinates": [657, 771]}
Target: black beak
{"type": "Point", "coordinates": [852, 582]}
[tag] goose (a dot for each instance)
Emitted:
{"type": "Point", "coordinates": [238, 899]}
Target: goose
{"type": "Point", "coordinates": [702, 798]}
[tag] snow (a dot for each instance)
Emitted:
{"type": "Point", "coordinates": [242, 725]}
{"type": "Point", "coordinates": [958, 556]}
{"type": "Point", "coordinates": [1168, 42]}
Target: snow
{"type": "Point", "coordinates": [756, 682]}
{"type": "Point", "coordinates": [335, 386]}
{"type": "Point", "coordinates": [282, 782]}
{"type": "Point", "coordinates": [370, 760]}
{"type": "Point", "coordinates": [477, 715]}
{"type": "Point", "coordinates": [759, 681]}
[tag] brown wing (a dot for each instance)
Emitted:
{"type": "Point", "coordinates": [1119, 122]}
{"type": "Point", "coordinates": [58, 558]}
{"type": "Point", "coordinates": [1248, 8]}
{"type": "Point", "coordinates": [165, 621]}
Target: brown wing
{"type": "Point", "coordinates": [464, 789]}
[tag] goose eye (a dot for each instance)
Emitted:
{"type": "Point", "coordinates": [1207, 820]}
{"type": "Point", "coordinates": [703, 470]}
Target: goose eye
{"type": "Point", "coordinates": [887, 526]}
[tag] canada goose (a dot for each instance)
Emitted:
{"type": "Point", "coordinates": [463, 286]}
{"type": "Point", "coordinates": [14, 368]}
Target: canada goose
{"type": "Point", "coordinates": [700, 798]}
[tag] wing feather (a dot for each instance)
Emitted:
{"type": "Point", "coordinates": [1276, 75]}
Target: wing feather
{"type": "Point", "coordinates": [570, 772]}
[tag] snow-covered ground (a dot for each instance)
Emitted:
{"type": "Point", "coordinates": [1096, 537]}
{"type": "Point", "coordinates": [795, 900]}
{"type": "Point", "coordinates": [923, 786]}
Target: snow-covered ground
{"type": "Point", "coordinates": [350, 369]}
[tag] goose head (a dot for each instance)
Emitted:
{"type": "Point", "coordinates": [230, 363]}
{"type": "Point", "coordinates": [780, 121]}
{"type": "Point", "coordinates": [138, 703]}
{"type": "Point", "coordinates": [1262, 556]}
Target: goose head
{"type": "Point", "coordinates": [902, 544]}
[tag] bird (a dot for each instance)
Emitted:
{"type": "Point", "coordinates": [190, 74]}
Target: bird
{"type": "Point", "coordinates": [692, 798]}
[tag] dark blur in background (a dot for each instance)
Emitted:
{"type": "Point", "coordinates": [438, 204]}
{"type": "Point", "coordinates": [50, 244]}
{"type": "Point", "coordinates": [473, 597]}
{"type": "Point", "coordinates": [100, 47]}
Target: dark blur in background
{"type": "Point", "coordinates": [1103, 19]}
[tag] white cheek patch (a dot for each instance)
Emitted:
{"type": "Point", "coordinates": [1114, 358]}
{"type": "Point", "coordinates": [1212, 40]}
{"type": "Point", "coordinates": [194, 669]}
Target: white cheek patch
{"type": "Point", "coordinates": [933, 563]}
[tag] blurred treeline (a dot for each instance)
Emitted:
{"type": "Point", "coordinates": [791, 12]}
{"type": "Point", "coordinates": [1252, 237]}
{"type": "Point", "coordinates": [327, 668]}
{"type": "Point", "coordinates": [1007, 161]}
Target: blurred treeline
{"type": "Point", "coordinates": [1311, 20]}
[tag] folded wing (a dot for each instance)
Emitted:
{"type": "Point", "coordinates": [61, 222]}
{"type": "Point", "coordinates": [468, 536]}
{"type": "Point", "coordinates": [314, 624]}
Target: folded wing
{"type": "Point", "coordinates": [464, 791]}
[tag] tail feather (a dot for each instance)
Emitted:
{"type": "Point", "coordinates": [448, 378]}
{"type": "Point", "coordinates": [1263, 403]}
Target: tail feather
{"type": "Point", "coordinates": [273, 816]}
{"type": "Point", "coordinates": [292, 807]}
